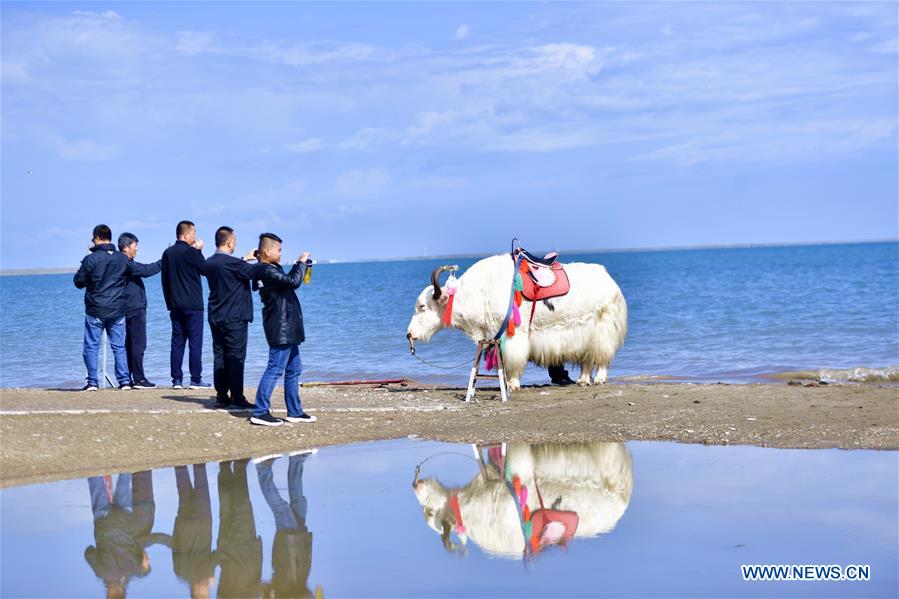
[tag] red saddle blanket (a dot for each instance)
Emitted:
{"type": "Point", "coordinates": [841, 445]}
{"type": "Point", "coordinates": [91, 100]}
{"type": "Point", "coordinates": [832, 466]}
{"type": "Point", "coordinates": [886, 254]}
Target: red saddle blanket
{"type": "Point", "coordinates": [533, 292]}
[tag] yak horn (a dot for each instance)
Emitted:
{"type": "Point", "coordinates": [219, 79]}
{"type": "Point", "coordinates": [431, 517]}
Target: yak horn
{"type": "Point", "coordinates": [434, 279]}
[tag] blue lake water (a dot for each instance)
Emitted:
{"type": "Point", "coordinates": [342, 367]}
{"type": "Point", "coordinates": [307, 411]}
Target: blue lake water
{"type": "Point", "coordinates": [639, 519]}
{"type": "Point", "coordinates": [705, 315]}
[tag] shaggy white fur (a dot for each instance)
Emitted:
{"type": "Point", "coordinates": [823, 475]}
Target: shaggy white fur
{"type": "Point", "coordinates": [587, 327]}
{"type": "Point", "coordinates": [593, 479]}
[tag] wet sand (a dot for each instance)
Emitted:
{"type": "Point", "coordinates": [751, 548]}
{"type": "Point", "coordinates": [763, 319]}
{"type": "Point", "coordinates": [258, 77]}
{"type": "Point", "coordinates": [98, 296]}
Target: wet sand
{"type": "Point", "coordinates": [55, 434]}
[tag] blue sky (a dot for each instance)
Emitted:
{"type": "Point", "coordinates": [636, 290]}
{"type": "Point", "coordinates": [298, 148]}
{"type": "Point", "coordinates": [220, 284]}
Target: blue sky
{"type": "Point", "coordinates": [379, 130]}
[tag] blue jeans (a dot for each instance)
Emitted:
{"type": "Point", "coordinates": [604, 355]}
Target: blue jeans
{"type": "Point", "coordinates": [102, 499]}
{"type": "Point", "coordinates": [287, 515]}
{"type": "Point", "coordinates": [115, 329]}
{"type": "Point", "coordinates": [282, 359]}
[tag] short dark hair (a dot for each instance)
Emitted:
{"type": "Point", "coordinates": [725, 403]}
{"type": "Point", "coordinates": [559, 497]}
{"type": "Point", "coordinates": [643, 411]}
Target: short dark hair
{"type": "Point", "coordinates": [103, 233]}
{"type": "Point", "coordinates": [126, 239]}
{"type": "Point", "coordinates": [267, 239]}
{"type": "Point", "coordinates": [222, 235]}
{"type": "Point", "coordinates": [183, 227]}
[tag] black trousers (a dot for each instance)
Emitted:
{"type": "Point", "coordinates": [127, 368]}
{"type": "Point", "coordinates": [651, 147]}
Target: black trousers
{"type": "Point", "coordinates": [229, 352]}
{"type": "Point", "coordinates": [136, 343]}
{"type": "Point", "coordinates": [187, 327]}
{"type": "Point", "coordinates": [557, 372]}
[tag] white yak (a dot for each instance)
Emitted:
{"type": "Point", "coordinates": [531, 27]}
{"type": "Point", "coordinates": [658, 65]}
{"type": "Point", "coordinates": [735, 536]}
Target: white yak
{"type": "Point", "coordinates": [585, 327]}
{"type": "Point", "coordinates": [595, 480]}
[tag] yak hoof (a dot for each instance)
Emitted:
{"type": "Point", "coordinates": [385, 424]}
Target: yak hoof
{"type": "Point", "coordinates": [513, 384]}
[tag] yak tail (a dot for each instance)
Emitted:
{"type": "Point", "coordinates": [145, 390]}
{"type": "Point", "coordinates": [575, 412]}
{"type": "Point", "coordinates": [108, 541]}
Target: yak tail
{"type": "Point", "coordinates": [612, 329]}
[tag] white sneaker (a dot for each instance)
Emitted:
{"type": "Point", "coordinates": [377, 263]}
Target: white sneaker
{"type": "Point", "coordinates": [89, 387]}
{"type": "Point", "coordinates": [301, 418]}
{"type": "Point", "coordinates": [312, 451]}
{"type": "Point", "coordinates": [263, 458]}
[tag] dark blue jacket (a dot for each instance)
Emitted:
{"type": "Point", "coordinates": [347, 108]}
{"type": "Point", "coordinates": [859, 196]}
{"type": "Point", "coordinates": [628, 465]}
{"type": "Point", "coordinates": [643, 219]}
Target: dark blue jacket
{"type": "Point", "coordinates": [230, 296]}
{"type": "Point", "coordinates": [282, 316]}
{"type": "Point", "coordinates": [102, 275]}
{"type": "Point", "coordinates": [135, 292]}
{"type": "Point", "coordinates": [182, 266]}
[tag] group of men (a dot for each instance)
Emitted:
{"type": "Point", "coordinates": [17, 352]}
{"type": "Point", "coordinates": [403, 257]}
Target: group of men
{"type": "Point", "coordinates": [115, 301]}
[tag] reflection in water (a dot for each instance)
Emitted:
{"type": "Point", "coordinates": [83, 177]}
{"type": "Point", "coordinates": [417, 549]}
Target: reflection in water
{"type": "Point", "coordinates": [526, 498]}
{"type": "Point", "coordinates": [292, 548]}
{"type": "Point", "coordinates": [238, 548]}
{"type": "Point", "coordinates": [192, 555]}
{"type": "Point", "coordinates": [123, 524]}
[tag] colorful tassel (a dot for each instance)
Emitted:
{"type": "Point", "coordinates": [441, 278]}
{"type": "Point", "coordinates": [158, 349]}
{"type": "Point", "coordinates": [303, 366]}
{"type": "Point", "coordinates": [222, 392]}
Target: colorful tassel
{"type": "Point", "coordinates": [524, 496]}
{"type": "Point", "coordinates": [502, 344]}
{"type": "Point", "coordinates": [518, 284]}
{"type": "Point", "coordinates": [522, 267]}
{"type": "Point", "coordinates": [518, 298]}
{"type": "Point", "coordinates": [526, 513]}
{"type": "Point", "coordinates": [490, 359]}
{"type": "Point", "coordinates": [516, 315]}
{"type": "Point", "coordinates": [448, 313]}
{"type": "Point", "coordinates": [510, 328]}
{"type": "Point", "coordinates": [528, 527]}
{"type": "Point", "coordinates": [535, 544]}
{"type": "Point", "coordinates": [516, 485]}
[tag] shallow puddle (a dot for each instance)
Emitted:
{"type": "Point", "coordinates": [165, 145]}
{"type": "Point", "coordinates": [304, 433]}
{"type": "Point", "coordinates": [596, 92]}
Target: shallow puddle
{"type": "Point", "coordinates": [416, 518]}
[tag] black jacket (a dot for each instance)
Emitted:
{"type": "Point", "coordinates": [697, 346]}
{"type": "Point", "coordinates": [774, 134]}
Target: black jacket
{"type": "Point", "coordinates": [102, 275]}
{"type": "Point", "coordinates": [182, 266]}
{"type": "Point", "coordinates": [230, 295]}
{"type": "Point", "coordinates": [282, 316]}
{"type": "Point", "coordinates": [135, 292]}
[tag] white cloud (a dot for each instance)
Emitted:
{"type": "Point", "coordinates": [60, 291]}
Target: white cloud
{"type": "Point", "coordinates": [312, 144]}
{"type": "Point", "coordinates": [86, 150]}
{"type": "Point", "coordinates": [362, 182]}
{"type": "Point", "coordinates": [109, 14]}
{"type": "Point", "coordinates": [193, 42]}
{"type": "Point", "coordinates": [462, 32]}
{"type": "Point", "coordinates": [363, 138]}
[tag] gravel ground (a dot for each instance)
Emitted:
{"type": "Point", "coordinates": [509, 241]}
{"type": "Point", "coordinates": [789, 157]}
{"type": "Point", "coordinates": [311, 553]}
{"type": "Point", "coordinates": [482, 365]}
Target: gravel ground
{"type": "Point", "coordinates": [54, 434]}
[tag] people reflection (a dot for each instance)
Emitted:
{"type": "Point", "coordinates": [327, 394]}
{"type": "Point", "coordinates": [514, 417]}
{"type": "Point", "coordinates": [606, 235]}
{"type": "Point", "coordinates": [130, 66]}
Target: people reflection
{"type": "Point", "coordinates": [528, 498]}
{"type": "Point", "coordinates": [292, 547]}
{"type": "Point", "coordinates": [123, 525]}
{"type": "Point", "coordinates": [192, 555]}
{"type": "Point", "coordinates": [238, 548]}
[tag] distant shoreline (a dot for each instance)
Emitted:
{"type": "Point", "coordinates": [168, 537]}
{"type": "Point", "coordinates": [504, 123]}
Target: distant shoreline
{"type": "Point", "coordinates": [11, 272]}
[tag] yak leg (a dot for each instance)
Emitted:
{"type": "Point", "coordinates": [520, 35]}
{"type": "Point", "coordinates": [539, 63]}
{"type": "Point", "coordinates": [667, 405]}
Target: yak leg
{"type": "Point", "coordinates": [602, 376]}
{"type": "Point", "coordinates": [586, 372]}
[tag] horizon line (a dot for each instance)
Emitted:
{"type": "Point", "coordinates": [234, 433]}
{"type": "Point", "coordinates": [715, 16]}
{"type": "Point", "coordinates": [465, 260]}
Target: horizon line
{"type": "Point", "coordinates": [673, 248]}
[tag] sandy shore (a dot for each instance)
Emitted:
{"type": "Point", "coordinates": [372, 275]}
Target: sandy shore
{"type": "Point", "coordinates": [50, 435]}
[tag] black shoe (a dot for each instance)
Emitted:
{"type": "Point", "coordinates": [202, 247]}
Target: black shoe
{"type": "Point", "coordinates": [563, 382]}
{"type": "Point", "coordinates": [89, 387]}
{"type": "Point", "coordinates": [242, 404]}
{"type": "Point", "coordinates": [222, 402]}
{"type": "Point", "coordinates": [144, 384]}
{"type": "Point", "coordinates": [266, 420]}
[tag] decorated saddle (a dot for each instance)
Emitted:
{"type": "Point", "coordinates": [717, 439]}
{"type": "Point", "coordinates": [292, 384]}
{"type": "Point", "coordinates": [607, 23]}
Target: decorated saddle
{"type": "Point", "coordinates": [542, 278]}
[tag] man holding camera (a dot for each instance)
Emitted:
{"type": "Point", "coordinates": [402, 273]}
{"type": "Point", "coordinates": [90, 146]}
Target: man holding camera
{"type": "Point", "coordinates": [282, 319]}
{"type": "Point", "coordinates": [230, 312]}
{"type": "Point", "coordinates": [182, 267]}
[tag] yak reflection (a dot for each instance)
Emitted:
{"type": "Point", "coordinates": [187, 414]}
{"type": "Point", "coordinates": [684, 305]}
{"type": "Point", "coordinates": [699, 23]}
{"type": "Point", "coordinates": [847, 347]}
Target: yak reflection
{"type": "Point", "coordinates": [527, 498]}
